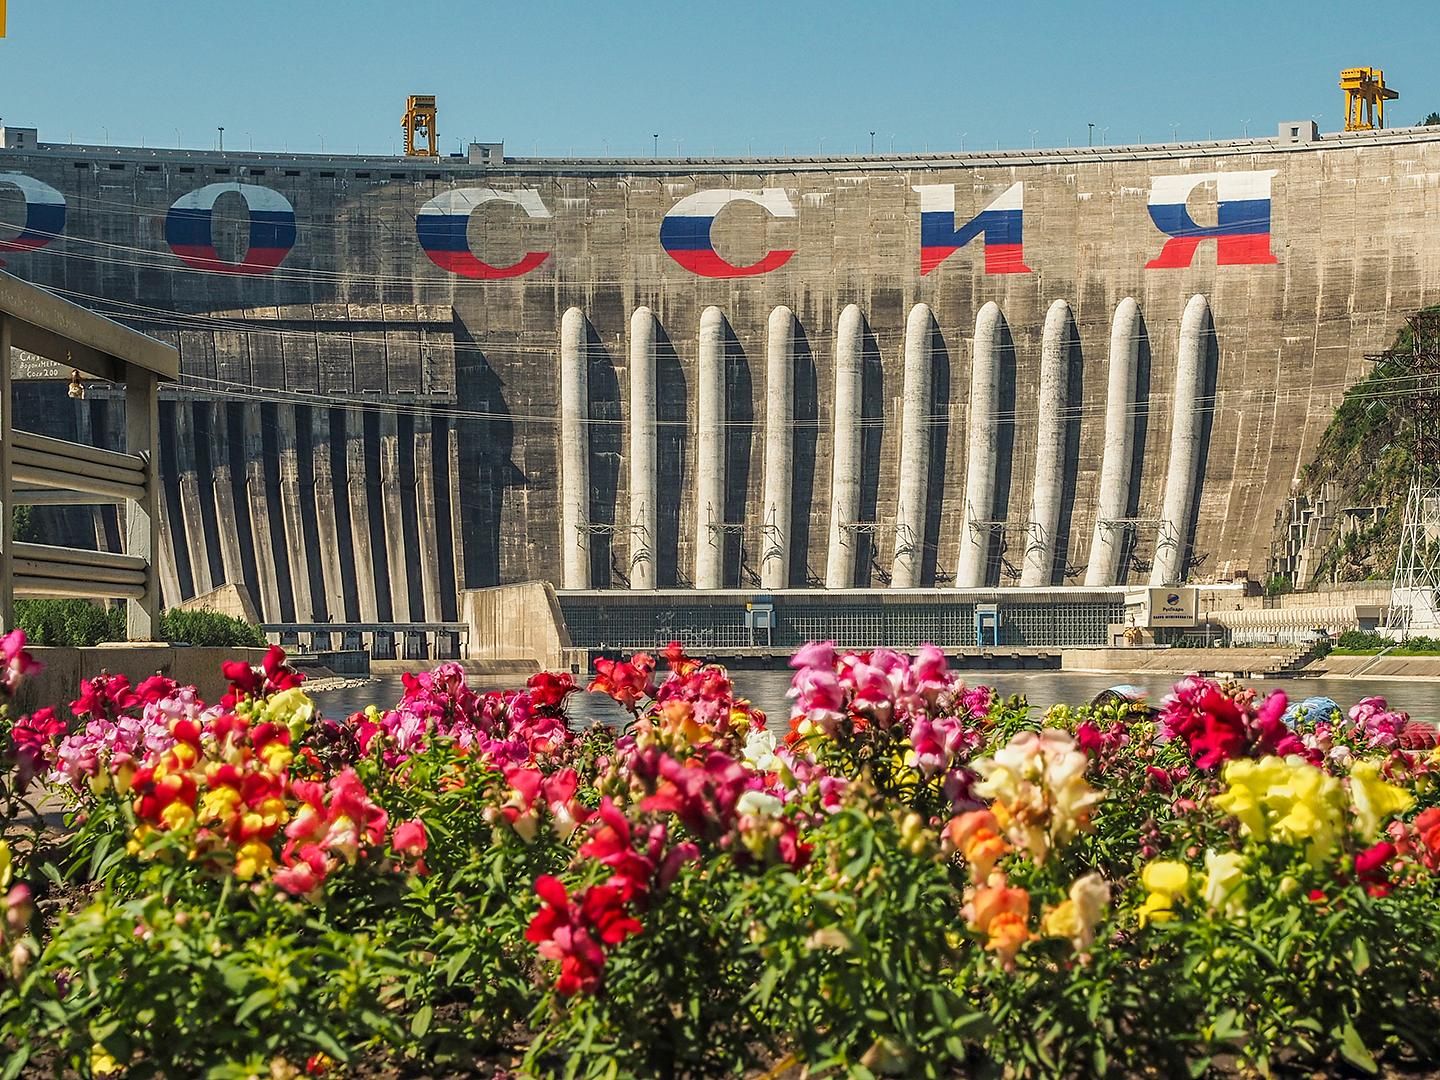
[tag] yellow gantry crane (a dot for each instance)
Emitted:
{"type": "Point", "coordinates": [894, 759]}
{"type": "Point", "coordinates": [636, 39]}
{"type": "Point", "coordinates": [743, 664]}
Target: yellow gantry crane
{"type": "Point", "coordinates": [419, 124]}
{"type": "Point", "coordinates": [1365, 97]}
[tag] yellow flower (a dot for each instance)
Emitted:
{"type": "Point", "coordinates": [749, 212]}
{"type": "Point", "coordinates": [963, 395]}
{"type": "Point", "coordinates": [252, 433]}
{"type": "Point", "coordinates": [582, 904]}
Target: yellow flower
{"type": "Point", "coordinates": [1076, 916]}
{"type": "Point", "coordinates": [138, 839]}
{"type": "Point", "coordinates": [1376, 801]}
{"type": "Point", "coordinates": [4, 865]}
{"type": "Point", "coordinates": [276, 755]}
{"type": "Point", "coordinates": [1224, 883]}
{"type": "Point", "coordinates": [290, 708]}
{"type": "Point", "coordinates": [218, 804]}
{"type": "Point", "coordinates": [177, 816]}
{"type": "Point", "coordinates": [101, 1063]}
{"type": "Point", "coordinates": [1168, 881]}
{"type": "Point", "coordinates": [1285, 800]}
{"type": "Point", "coordinates": [253, 858]}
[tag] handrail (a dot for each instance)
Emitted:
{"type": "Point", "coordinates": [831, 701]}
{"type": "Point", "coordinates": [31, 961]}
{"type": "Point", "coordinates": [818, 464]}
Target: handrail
{"type": "Point", "coordinates": [63, 448]}
{"type": "Point", "coordinates": [1371, 662]}
{"type": "Point", "coordinates": [363, 627]}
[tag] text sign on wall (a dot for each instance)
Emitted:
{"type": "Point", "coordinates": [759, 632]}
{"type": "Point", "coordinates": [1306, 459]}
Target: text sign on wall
{"type": "Point", "coordinates": [1172, 607]}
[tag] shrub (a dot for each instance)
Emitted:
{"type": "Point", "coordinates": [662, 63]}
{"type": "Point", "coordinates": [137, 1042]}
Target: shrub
{"type": "Point", "coordinates": [75, 623]}
{"type": "Point", "coordinates": [210, 628]}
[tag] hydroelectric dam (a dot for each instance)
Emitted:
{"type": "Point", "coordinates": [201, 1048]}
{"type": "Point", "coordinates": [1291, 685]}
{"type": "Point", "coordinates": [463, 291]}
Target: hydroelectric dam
{"type": "Point", "coordinates": [406, 377]}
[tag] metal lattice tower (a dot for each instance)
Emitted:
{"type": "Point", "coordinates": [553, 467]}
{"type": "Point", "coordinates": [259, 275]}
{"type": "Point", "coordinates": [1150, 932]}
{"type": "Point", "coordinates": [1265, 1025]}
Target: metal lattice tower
{"type": "Point", "coordinates": [1415, 589]}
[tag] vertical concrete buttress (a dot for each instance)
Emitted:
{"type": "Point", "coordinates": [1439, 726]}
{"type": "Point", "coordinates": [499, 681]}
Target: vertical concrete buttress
{"type": "Point", "coordinates": [260, 520]}
{"type": "Point", "coordinates": [427, 525]}
{"type": "Point", "coordinates": [189, 484]}
{"type": "Point", "coordinates": [710, 425]}
{"type": "Point", "coordinates": [644, 462]}
{"type": "Point", "coordinates": [326, 523]}
{"type": "Point", "coordinates": [291, 513]}
{"type": "Point", "coordinates": [457, 508]}
{"type": "Point", "coordinates": [779, 449]}
{"type": "Point", "coordinates": [357, 498]}
{"type": "Point", "coordinates": [224, 488]}
{"type": "Point", "coordinates": [845, 457]}
{"type": "Point", "coordinates": [1120, 405]}
{"type": "Point", "coordinates": [1182, 474]}
{"type": "Point", "coordinates": [1049, 482]}
{"type": "Point", "coordinates": [915, 397]}
{"type": "Point", "coordinates": [574, 452]}
{"type": "Point", "coordinates": [396, 558]}
{"type": "Point", "coordinates": [983, 440]}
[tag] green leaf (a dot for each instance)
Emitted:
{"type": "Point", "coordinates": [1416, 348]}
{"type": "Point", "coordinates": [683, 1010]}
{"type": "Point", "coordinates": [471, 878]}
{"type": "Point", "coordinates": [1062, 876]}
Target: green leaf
{"type": "Point", "coordinates": [16, 1063]}
{"type": "Point", "coordinates": [327, 1042]}
{"type": "Point", "coordinates": [1360, 957]}
{"type": "Point", "coordinates": [767, 984]}
{"type": "Point", "coordinates": [260, 997]}
{"type": "Point", "coordinates": [1352, 1049]}
{"type": "Point", "coordinates": [421, 1024]}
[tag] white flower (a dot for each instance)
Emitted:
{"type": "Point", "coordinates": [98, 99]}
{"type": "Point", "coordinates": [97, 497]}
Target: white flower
{"type": "Point", "coordinates": [760, 751]}
{"type": "Point", "coordinates": [759, 804]}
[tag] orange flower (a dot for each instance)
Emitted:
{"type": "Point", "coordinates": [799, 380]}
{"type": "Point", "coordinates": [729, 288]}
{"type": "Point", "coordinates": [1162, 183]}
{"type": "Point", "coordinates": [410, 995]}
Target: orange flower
{"type": "Point", "coordinates": [976, 836]}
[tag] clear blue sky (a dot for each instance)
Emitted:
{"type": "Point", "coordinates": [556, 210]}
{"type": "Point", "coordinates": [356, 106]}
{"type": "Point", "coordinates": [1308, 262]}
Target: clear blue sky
{"type": "Point", "coordinates": [592, 77]}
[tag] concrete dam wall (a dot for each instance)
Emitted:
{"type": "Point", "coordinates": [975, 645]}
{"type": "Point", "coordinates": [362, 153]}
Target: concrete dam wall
{"type": "Point", "coordinates": [406, 377]}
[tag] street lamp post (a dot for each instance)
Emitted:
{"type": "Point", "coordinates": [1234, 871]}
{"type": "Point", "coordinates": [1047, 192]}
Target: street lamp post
{"type": "Point", "coordinates": [1091, 141]}
{"type": "Point", "coordinates": [221, 129]}
{"type": "Point", "coordinates": [872, 144]}
{"type": "Point", "coordinates": [655, 147]}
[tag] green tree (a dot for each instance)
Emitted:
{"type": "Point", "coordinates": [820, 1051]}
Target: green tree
{"type": "Point", "coordinates": [1431, 120]}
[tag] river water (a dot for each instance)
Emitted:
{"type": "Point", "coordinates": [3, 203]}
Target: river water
{"type": "Point", "coordinates": [766, 689]}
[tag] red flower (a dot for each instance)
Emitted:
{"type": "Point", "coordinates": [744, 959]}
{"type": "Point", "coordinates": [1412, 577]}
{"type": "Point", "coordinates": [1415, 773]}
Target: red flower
{"type": "Point", "coordinates": [105, 697]}
{"type": "Point", "coordinates": [1427, 828]}
{"type": "Point", "coordinates": [626, 682]}
{"type": "Point", "coordinates": [35, 737]}
{"type": "Point", "coordinates": [409, 839]}
{"type": "Point", "coordinates": [15, 662]}
{"type": "Point", "coordinates": [679, 662]}
{"type": "Point", "coordinates": [156, 689]}
{"type": "Point", "coordinates": [1371, 869]}
{"type": "Point", "coordinates": [272, 676]}
{"type": "Point", "coordinates": [575, 933]}
{"type": "Point", "coordinates": [549, 689]}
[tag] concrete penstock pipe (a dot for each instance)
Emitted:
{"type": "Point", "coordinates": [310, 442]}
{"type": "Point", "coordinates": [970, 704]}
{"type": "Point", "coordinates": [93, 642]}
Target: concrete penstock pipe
{"type": "Point", "coordinates": [644, 465]}
{"type": "Point", "coordinates": [915, 433]}
{"type": "Point", "coordinates": [710, 420]}
{"type": "Point", "coordinates": [845, 459]}
{"type": "Point", "coordinates": [983, 441]}
{"type": "Point", "coordinates": [1120, 406]}
{"type": "Point", "coordinates": [1048, 485]}
{"type": "Point", "coordinates": [1182, 475]}
{"type": "Point", "coordinates": [574, 451]}
{"type": "Point", "coordinates": [779, 449]}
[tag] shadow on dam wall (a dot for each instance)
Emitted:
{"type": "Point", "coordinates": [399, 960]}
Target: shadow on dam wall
{"type": "Point", "coordinates": [739, 446]}
{"type": "Point", "coordinates": [1061, 570]}
{"type": "Point", "coordinates": [1137, 449]}
{"type": "Point", "coordinates": [806, 437]}
{"type": "Point", "coordinates": [606, 449]}
{"type": "Point", "coordinates": [672, 410]}
{"type": "Point", "coordinates": [872, 428]}
{"type": "Point", "coordinates": [999, 557]}
{"type": "Point", "coordinates": [485, 458]}
{"type": "Point", "coordinates": [1210, 379]}
{"type": "Point", "coordinates": [938, 414]}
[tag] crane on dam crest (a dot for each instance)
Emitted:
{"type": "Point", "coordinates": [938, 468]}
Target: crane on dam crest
{"type": "Point", "coordinates": [1365, 97]}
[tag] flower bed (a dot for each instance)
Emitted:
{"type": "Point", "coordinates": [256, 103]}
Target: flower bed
{"type": "Point", "coordinates": [921, 878]}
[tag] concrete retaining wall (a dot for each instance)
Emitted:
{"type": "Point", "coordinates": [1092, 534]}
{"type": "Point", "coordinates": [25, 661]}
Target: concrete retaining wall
{"type": "Point", "coordinates": [59, 682]}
